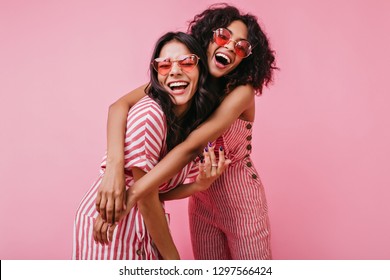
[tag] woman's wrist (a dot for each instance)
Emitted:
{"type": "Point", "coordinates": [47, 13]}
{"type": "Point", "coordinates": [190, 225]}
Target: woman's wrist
{"type": "Point", "coordinates": [115, 163]}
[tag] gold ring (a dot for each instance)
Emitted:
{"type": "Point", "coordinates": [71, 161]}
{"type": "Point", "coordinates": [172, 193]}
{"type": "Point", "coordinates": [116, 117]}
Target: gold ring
{"type": "Point", "coordinates": [214, 165]}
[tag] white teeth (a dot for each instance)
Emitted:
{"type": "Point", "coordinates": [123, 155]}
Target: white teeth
{"type": "Point", "coordinates": [177, 84]}
{"type": "Point", "coordinates": [224, 56]}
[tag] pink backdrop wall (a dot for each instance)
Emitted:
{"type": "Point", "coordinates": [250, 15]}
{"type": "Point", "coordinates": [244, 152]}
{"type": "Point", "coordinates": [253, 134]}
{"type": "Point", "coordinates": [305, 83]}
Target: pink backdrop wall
{"type": "Point", "coordinates": [321, 134]}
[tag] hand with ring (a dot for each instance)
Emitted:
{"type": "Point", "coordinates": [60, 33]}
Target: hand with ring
{"type": "Point", "coordinates": [209, 168]}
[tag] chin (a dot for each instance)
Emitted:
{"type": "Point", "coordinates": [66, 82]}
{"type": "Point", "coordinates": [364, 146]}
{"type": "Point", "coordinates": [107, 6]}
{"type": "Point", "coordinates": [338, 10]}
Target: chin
{"type": "Point", "coordinates": [216, 73]}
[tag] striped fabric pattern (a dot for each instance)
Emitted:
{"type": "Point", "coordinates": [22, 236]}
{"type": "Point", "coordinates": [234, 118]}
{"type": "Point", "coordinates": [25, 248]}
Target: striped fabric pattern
{"type": "Point", "coordinates": [230, 219]}
{"type": "Point", "coordinates": [144, 147]}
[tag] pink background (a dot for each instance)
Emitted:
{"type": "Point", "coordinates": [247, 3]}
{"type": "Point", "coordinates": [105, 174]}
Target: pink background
{"type": "Point", "coordinates": [321, 141]}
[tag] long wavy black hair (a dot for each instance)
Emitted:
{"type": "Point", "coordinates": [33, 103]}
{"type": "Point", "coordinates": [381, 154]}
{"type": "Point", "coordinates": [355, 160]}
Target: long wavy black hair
{"type": "Point", "coordinates": [256, 69]}
{"type": "Point", "coordinates": [203, 102]}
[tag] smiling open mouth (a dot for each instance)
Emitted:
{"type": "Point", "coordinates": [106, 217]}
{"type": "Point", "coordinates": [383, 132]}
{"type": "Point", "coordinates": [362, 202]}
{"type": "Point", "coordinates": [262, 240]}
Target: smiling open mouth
{"type": "Point", "coordinates": [178, 85]}
{"type": "Point", "coordinates": [222, 58]}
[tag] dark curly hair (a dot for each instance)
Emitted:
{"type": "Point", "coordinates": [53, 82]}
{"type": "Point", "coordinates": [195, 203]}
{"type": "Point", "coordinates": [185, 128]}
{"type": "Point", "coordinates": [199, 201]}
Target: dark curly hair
{"type": "Point", "coordinates": [256, 69]}
{"type": "Point", "coordinates": [203, 102]}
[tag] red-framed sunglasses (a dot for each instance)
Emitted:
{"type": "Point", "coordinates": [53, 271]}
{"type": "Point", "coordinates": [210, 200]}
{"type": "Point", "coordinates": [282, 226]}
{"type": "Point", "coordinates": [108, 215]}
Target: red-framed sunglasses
{"type": "Point", "coordinates": [187, 63]}
{"type": "Point", "coordinates": [223, 36]}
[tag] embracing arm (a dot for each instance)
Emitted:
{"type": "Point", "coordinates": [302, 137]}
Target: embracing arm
{"type": "Point", "coordinates": [111, 194]}
{"type": "Point", "coordinates": [207, 175]}
{"type": "Point", "coordinates": [153, 214]}
{"type": "Point", "coordinates": [230, 109]}
{"type": "Point", "coordinates": [116, 124]}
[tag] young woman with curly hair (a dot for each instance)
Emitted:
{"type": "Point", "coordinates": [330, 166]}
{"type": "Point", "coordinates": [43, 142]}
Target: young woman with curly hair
{"type": "Point", "coordinates": [230, 219]}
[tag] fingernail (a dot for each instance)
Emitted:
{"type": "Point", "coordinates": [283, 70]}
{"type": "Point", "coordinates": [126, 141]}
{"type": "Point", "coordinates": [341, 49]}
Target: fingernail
{"type": "Point", "coordinates": [210, 144]}
{"type": "Point", "coordinates": [206, 149]}
{"type": "Point", "coordinates": [220, 148]}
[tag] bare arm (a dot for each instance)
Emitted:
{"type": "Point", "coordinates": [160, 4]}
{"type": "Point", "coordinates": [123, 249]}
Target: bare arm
{"type": "Point", "coordinates": [116, 124]}
{"type": "Point", "coordinates": [230, 109]}
{"type": "Point", "coordinates": [207, 175]}
{"type": "Point", "coordinates": [154, 217]}
{"type": "Point", "coordinates": [110, 200]}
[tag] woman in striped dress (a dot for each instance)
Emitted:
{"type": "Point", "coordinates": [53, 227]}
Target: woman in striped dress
{"type": "Point", "coordinates": [177, 101]}
{"type": "Point", "coordinates": [230, 219]}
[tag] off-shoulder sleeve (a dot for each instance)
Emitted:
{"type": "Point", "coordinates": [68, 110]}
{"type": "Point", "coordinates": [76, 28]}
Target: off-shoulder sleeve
{"type": "Point", "coordinates": [145, 135]}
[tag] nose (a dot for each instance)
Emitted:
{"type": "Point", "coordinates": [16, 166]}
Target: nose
{"type": "Point", "coordinates": [230, 45]}
{"type": "Point", "coordinates": [175, 70]}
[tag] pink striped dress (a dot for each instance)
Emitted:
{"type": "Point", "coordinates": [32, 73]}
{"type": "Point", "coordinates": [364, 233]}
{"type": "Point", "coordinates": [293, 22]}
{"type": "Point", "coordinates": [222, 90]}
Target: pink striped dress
{"type": "Point", "coordinates": [230, 219]}
{"type": "Point", "coordinates": [144, 147]}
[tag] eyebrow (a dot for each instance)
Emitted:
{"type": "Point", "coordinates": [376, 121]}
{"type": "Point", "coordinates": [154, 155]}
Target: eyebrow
{"type": "Point", "coordinates": [180, 57]}
{"type": "Point", "coordinates": [231, 32]}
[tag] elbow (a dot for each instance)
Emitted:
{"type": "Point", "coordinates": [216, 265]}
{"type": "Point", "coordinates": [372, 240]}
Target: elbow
{"type": "Point", "coordinates": [119, 107]}
{"type": "Point", "coordinates": [113, 106]}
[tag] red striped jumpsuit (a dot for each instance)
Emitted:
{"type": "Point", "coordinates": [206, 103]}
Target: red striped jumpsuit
{"type": "Point", "coordinates": [144, 147]}
{"type": "Point", "coordinates": [230, 219]}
